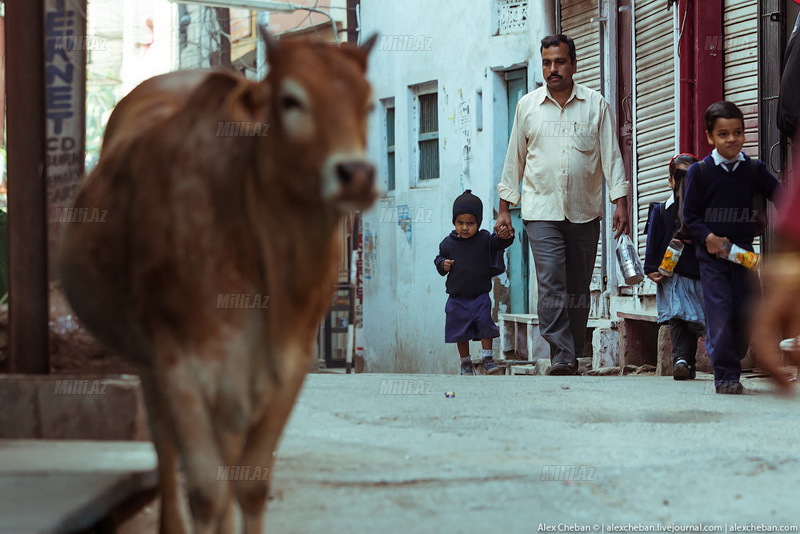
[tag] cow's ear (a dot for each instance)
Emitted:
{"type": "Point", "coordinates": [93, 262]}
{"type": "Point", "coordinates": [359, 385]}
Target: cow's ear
{"type": "Point", "coordinates": [360, 53]}
{"type": "Point", "coordinates": [248, 101]}
{"type": "Point", "coordinates": [369, 44]}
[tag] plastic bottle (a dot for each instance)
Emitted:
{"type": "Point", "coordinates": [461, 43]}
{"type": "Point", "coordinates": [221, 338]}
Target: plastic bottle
{"type": "Point", "coordinates": [743, 257]}
{"type": "Point", "coordinates": [671, 257]}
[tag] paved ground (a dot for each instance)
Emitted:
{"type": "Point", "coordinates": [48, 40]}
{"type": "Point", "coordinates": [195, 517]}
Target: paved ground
{"type": "Point", "coordinates": [637, 449]}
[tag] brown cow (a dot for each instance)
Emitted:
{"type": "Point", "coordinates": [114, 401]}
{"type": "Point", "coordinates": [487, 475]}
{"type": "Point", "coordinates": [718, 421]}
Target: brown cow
{"type": "Point", "coordinates": [218, 256]}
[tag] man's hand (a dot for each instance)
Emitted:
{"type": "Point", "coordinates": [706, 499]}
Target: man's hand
{"type": "Point", "coordinates": [503, 218]}
{"type": "Point", "coordinates": [619, 223]}
{"type": "Point", "coordinates": [715, 245]}
{"type": "Point", "coordinates": [655, 276]}
{"type": "Point", "coordinates": [505, 232]}
{"type": "Point", "coordinates": [447, 265]}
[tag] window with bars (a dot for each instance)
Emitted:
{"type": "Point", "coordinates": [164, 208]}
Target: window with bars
{"type": "Point", "coordinates": [428, 136]}
{"type": "Point", "coordinates": [390, 165]}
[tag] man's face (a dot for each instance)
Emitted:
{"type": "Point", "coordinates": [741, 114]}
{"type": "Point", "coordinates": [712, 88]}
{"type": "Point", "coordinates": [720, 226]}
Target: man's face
{"type": "Point", "coordinates": [557, 68]}
{"type": "Point", "coordinates": [466, 225]}
{"type": "Point", "coordinates": [727, 137]}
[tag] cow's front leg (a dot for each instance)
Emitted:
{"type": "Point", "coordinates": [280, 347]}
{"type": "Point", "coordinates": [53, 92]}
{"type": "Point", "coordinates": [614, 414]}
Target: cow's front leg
{"type": "Point", "coordinates": [231, 443]}
{"type": "Point", "coordinates": [262, 442]}
{"type": "Point", "coordinates": [167, 451]}
{"type": "Point", "coordinates": [183, 394]}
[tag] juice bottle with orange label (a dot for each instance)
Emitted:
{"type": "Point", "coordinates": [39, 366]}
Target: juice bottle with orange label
{"type": "Point", "coordinates": [671, 257]}
{"type": "Point", "coordinates": [743, 257]}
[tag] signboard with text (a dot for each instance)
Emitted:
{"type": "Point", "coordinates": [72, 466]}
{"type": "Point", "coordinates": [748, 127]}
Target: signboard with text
{"type": "Point", "coordinates": [66, 46]}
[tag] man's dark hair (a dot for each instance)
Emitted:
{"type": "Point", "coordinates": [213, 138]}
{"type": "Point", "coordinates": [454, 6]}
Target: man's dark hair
{"type": "Point", "coordinates": [556, 40]}
{"type": "Point", "coordinates": [722, 110]}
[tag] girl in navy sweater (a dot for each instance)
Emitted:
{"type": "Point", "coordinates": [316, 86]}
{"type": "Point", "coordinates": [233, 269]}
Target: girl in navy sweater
{"type": "Point", "coordinates": [679, 298]}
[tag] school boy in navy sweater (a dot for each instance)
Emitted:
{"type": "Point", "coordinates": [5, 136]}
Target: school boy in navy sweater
{"type": "Point", "coordinates": [470, 258]}
{"type": "Point", "coordinates": [718, 208]}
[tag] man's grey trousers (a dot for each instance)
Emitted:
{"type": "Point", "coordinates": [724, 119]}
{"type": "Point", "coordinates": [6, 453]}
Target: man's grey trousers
{"type": "Point", "coordinates": [564, 255]}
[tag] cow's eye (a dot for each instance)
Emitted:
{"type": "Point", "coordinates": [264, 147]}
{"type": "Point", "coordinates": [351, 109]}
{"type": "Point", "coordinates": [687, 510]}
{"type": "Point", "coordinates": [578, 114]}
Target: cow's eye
{"type": "Point", "coordinates": [291, 102]}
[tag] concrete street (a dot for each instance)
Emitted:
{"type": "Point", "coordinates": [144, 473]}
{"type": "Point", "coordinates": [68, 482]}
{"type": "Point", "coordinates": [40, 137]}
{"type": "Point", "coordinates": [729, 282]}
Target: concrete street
{"type": "Point", "coordinates": [527, 453]}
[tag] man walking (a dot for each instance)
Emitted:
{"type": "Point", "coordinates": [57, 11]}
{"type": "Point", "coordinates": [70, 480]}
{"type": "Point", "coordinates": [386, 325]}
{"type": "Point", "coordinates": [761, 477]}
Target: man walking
{"type": "Point", "coordinates": [562, 144]}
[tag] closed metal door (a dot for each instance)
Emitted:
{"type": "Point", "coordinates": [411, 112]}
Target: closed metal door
{"type": "Point", "coordinates": [518, 255]}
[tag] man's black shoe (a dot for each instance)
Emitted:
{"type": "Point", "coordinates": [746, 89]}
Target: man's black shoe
{"type": "Point", "coordinates": [683, 371]}
{"type": "Point", "coordinates": [561, 369]}
{"type": "Point", "coordinates": [730, 388]}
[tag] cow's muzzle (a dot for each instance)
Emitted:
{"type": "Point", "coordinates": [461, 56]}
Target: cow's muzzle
{"type": "Point", "coordinates": [355, 184]}
{"type": "Point", "coordinates": [355, 171]}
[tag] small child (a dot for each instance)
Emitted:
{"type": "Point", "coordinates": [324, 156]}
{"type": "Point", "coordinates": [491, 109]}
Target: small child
{"type": "Point", "coordinates": [470, 258]}
{"type": "Point", "coordinates": [718, 208]}
{"type": "Point", "coordinates": [679, 298]}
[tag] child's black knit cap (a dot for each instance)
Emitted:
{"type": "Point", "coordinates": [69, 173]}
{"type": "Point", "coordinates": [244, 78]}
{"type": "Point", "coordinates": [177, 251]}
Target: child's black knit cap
{"type": "Point", "coordinates": [466, 202]}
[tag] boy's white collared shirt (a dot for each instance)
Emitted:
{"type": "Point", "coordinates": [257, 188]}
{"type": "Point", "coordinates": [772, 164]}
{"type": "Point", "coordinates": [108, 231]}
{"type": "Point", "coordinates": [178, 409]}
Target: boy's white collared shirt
{"type": "Point", "coordinates": [719, 160]}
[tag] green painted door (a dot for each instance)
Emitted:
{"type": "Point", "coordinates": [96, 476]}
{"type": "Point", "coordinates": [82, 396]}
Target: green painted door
{"type": "Point", "coordinates": [517, 86]}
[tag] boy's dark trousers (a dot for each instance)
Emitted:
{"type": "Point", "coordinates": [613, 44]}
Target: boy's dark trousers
{"type": "Point", "coordinates": [727, 295]}
{"type": "Point", "coordinates": [683, 335]}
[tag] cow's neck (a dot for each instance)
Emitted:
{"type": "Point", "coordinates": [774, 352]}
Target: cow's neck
{"type": "Point", "coordinates": [299, 240]}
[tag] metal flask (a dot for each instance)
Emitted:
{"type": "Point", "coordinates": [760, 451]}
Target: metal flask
{"type": "Point", "coordinates": [629, 263]}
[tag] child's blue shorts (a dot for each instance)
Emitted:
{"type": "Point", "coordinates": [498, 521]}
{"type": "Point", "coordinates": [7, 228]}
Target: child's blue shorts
{"type": "Point", "coordinates": [469, 318]}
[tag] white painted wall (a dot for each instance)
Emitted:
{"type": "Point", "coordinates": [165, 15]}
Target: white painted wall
{"type": "Point", "coordinates": [404, 296]}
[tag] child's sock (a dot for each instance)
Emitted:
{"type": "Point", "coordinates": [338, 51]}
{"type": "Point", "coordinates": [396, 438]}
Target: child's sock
{"type": "Point", "coordinates": [466, 360]}
{"type": "Point", "coordinates": [486, 354]}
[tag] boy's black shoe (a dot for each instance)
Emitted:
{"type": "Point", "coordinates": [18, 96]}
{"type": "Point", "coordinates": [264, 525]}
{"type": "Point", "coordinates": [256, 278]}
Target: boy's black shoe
{"type": "Point", "coordinates": [683, 371]}
{"type": "Point", "coordinates": [467, 369]}
{"type": "Point", "coordinates": [561, 369]}
{"type": "Point", "coordinates": [730, 388]}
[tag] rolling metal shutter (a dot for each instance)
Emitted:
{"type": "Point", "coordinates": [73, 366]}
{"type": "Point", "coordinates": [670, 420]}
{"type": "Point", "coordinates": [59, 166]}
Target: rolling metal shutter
{"type": "Point", "coordinates": [575, 16]}
{"type": "Point", "coordinates": [741, 65]}
{"type": "Point", "coordinates": [654, 122]}
{"type": "Point", "coordinates": [576, 23]}
{"type": "Point", "coordinates": [740, 82]}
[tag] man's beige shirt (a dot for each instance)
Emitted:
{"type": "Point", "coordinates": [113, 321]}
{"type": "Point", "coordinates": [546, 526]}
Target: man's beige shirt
{"type": "Point", "coordinates": [561, 156]}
